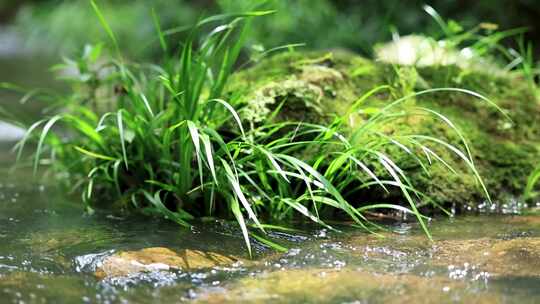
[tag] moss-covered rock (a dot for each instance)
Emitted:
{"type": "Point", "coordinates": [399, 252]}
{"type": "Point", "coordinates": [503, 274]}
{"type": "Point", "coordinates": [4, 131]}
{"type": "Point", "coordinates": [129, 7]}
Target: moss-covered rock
{"type": "Point", "coordinates": [317, 86]}
{"type": "Point", "coordinates": [311, 87]}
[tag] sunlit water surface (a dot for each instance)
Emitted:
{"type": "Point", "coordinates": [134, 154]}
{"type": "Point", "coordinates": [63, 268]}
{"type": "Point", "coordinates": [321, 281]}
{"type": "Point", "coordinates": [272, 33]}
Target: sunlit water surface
{"type": "Point", "coordinates": [49, 251]}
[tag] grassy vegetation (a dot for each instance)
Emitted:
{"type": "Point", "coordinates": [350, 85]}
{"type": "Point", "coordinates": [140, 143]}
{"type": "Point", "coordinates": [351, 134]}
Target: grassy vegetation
{"type": "Point", "coordinates": [170, 139]}
{"type": "Point", "coordinates": [317, 85]}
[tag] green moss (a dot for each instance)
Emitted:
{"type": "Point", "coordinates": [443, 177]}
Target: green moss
{"type": "Point", "coordinates": [307, 86]}
{"type": "Point", "coordinates": [316, 86]}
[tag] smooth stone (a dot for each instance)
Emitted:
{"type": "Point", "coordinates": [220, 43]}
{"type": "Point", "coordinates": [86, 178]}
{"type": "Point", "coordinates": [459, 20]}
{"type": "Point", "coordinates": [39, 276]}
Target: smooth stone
{"type": "Point", "coordinates": [342, 286]}
{"type": "Point", "coordinates": [159, 259]}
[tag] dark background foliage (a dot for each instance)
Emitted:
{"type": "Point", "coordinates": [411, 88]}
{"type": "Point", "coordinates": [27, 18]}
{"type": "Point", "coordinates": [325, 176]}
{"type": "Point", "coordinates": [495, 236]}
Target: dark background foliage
{"type": "Point", "coordinates": [350, 24]}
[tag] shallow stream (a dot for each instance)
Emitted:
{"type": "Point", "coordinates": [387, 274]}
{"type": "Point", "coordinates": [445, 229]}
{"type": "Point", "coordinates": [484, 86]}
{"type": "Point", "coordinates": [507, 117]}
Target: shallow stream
{"type": "Point", "coordinates": [50, 251]}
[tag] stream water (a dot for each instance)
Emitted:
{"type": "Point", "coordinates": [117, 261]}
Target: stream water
{"type": "Point", "coordinates": [50, 250]}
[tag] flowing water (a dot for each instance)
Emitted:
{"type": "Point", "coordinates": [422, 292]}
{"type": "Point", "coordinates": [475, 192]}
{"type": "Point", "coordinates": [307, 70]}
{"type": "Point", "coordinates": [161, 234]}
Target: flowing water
{"type": "Point", "coordinates": [50, 250]}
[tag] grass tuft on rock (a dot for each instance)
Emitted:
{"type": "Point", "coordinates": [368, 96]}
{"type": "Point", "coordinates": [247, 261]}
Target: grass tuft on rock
{"type": "Point", "coordinates": [310, 136]}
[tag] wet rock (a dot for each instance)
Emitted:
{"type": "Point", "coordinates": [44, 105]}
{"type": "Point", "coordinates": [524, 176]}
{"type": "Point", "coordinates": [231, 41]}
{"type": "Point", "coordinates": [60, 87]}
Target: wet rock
{"type": "Point", "coordinates": [484, 247]}
{"type": "Point", "coordinates": [55, 243]}
{"type": "Point", "coordinates": [159, 258]}
{"type": "Point", "coordinates": [20, 287]}
{"type": "Point", "coordinates": [324, 286]}
{"type": "Point", "coordinates": [499, 257]}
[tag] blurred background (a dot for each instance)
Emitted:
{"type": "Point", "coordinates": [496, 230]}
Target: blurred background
{"type": "Point", "coordinates": [35, 34]}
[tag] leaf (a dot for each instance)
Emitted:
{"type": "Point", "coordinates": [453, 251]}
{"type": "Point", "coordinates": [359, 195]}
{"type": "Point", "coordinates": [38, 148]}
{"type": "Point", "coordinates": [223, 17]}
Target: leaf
{"type": "Point", "coordinates": [44, 133]}
{"type": "Point", "coordinates": [94, 154]}
{"type": "Point", "coordinates": [194, 133]}
{"type": "Point", "coordinates": [156, 201]}
{"type": "Point", "coordinates": [235, 209]}
{"type": "Point", "coordinates": [105, 25]}
{"type": "Point", "coordinates": [233, 180]}
{"type": "Point", "coordinates": [122, 137]}
{"type": "Point", "coordinates": [209, 157]}
{"type": "Point", "coordinates": [269, 243]}
{"type": "Point", "coordinates": [147, 105]}
{"type": "Point", "coordinates": [233, 113]}
{"type": "Point", "coordinates": [162, 41]}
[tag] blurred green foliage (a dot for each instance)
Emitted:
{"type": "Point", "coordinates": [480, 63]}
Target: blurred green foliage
{"type": "Point", "coordinates": [66, 26]}
{"type": "Point", "coordinates": [357, 25]}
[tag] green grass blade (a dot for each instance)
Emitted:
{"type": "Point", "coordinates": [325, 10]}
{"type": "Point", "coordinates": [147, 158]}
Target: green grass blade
{"type": "Point", "coordinates": [235, 209]}
{"type": "Point", "coordinates": [93, 154]}
{"type": "Point", "coordinates": [156, 201]}
{"type": "Point", "coordinates": [157, 25]}
{"type": "Point", "coordinates": [269, 243]}
{"type": "Point", "coordinates": [274, 163]}
{"type": "Point", "coordinates": [20, 145]}
{"type": "Point", "coordinates": [387, 165]}
{"type": "Point", "coordinates": [147, 105]}
{"type": "Point", "coordinates": [105, 25]}
{"type": "Point", "coordinates": [209, 156]}
{"type": "Point", "coordinates": [233, 113]}
{"type": "Point", "coordinates": [44, 132]}
{"type": "Point", "coordinates": [122, 137]}
{"type": "Point", "coordinates": [194, 133]}
{"type": "Point", "coordinates": [235, 184]}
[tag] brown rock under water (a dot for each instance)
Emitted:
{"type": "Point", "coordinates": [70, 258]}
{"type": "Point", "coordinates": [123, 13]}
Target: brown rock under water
{"type": "Point", "coordinates": [343, 286]}
{"type": "Point", "coordinates": [515, 257]}
{"type": "Point", "coordinates": [159, 258]}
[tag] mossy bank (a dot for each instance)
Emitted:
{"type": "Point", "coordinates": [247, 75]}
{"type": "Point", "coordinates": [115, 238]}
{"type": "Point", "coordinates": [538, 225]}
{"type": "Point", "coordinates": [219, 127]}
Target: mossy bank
{"type": "Point", "coordinates": [317, 86]}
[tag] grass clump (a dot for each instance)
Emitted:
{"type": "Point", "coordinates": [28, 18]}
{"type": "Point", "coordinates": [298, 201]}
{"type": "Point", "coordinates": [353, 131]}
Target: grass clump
{"type": "Point", "coordinates": [169, 140]}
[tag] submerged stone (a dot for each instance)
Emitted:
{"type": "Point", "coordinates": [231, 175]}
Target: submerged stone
{"type": "Point", "coordinates": [159, 258]}
{"type": "Point", "coordinates": [519, 257]}
{"type": "Point", "coordinates": [54, 244]}
{"type": "Point", "coordinates": [473, 248]}
{"type": "Point", "coordinates": [35, 287]}
{"type": "Point", "coordinates": [343, 286]}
